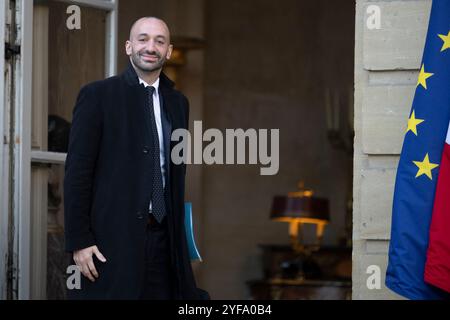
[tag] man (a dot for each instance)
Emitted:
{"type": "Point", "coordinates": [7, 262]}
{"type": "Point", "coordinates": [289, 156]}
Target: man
{"type": "Point", "coordinates": [124, 198]}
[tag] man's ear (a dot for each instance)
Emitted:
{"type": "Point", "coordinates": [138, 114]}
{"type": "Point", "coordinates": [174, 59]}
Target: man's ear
{"type": "Point", "coordinates": [128, 49]}
{"type": "Point", "coordinates": [169, 52]}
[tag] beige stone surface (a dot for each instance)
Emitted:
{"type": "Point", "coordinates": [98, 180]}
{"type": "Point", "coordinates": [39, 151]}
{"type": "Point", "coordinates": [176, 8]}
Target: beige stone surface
{"type": "Point", "coordinates": [386, 64]}
{"type": "Point", "coordinates": [399, 43]}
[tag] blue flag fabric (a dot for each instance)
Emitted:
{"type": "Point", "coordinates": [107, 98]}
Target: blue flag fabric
{"type": "Point", "coordinates": [418, 167]}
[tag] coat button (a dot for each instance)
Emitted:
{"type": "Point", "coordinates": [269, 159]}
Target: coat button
{"type": "Point", "coordinates": [139, 215]}
{"type": "Point", "coordinates": [145, 149]}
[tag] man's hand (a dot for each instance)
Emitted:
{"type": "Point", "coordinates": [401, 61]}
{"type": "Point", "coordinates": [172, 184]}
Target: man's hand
{"type": "Point", "coordinates": [83, 259]}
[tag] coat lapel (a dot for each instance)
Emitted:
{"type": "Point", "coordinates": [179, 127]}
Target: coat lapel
{"type": "Point", "coordinates": [167, 132]}
{"type": "Point", "coordinates": [138, 100]}
{"type": "Point", "coordinates": [169, 110]}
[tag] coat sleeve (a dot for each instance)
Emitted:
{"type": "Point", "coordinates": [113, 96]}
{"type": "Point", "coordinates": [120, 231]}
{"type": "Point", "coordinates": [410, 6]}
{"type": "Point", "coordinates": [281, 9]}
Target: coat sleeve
{"type": "Point", "coordinates": [84, 143]}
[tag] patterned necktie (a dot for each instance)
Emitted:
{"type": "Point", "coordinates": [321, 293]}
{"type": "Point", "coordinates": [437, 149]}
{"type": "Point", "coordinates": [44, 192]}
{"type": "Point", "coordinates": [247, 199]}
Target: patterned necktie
{"type": "Point", "coordinates": [158, 202]}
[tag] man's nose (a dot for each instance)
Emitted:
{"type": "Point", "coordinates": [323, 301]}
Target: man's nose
{"type": "Point", "coordinates": [151, 47]}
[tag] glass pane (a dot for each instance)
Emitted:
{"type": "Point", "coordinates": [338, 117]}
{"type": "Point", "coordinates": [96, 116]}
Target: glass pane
{"type": "Point", "coordinates": [57, 258]}
{"type": "Point", "coordinates": [74, 58]}
{"type": "Point", "coordinates": [49, 259]}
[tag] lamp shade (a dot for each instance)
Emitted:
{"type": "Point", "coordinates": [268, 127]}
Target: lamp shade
{"type": "Point", "coordinates": [305, 208]}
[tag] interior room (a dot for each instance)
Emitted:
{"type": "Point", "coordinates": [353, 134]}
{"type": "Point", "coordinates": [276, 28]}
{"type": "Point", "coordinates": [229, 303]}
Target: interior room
{"type": "Point", "coordinates": [262, 64]}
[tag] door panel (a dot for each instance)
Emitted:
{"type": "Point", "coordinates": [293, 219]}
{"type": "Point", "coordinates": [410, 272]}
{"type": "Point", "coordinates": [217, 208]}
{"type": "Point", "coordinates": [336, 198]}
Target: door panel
{"type": "Point", "coordinates": [63, 61]}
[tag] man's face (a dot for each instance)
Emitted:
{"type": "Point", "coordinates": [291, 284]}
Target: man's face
{"type": "Point", "coordinates": [149, 45]}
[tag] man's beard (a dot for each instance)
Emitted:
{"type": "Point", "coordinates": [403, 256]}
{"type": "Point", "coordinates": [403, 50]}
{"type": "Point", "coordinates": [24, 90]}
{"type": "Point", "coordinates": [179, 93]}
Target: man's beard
{"type": "Point", "coordinates": [145, 66]}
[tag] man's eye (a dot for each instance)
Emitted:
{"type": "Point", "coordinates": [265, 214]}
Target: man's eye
{"type": "Point", "coordinates": [160, 42]}
{"type": "Point", "coordinates": [141, 40]}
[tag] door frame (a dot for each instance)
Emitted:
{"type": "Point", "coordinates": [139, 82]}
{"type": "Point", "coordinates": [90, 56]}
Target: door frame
{"type": "Point", "coordinates": [23, 155]}
{"type": "Point", "coordinates": [4, 159]}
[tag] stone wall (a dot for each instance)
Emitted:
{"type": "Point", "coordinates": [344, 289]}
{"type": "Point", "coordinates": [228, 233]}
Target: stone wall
{"type": "Point", "coordinates": [387, 61]}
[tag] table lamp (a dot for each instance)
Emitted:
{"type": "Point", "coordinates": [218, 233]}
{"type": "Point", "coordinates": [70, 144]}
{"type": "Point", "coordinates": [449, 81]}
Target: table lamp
{"type": "Point", "coordinates": [298, 208]}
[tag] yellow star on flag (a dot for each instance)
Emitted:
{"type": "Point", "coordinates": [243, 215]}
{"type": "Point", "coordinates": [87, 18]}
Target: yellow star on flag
{"type": "Point", "coordinates": [446, 39]}
{"type": "Point", "coordinates": [413, 123]}
{"type": "Point", "coordinates": [425, 167]}
{"type": "Point", "coordinates": [423, 76]}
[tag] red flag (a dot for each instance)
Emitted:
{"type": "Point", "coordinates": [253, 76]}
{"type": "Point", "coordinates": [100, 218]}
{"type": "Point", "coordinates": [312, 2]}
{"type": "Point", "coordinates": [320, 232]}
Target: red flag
{"type": "Point", "coordinates": [437, 267]}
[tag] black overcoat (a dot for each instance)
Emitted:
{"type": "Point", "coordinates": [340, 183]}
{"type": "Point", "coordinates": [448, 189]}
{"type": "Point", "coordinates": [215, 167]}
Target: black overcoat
{"type": "Point", "coordinates": [107, 185]}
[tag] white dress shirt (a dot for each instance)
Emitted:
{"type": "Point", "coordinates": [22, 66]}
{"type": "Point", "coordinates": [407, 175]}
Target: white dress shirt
{"type": "Point", "coordinates": [157, 113]}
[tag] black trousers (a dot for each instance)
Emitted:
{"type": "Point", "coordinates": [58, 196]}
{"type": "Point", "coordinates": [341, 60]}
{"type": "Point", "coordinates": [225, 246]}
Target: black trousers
{"type": "Point", "coordinates": [159, 279]}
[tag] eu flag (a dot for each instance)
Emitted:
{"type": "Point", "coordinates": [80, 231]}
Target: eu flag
{"type": "Point", "coordinates": [419, 164]}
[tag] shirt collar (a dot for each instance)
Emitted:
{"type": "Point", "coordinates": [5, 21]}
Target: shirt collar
{"type": "Point", "coordinates": [155, 84]}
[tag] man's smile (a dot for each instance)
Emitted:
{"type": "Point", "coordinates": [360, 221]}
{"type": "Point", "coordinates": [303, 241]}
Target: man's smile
{"type": "Point", "coordinates": [149, 58]}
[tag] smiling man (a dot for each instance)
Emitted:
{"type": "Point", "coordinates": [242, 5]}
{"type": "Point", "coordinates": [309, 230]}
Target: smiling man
{"type": "Point", "coordinates": [124, 198]}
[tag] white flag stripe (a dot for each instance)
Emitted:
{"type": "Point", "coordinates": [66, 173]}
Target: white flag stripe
{"type": "Point", "coordinates": [447, 140]}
